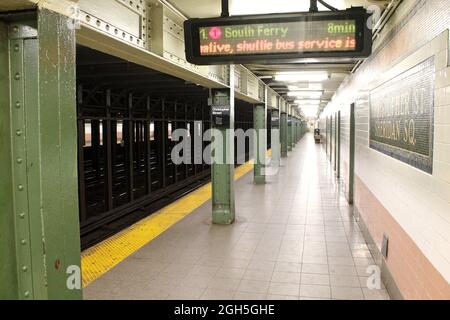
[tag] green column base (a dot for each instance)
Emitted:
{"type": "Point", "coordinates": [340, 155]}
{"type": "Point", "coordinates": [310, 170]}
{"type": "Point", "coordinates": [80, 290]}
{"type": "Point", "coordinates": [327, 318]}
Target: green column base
{"type": "Point", "coordinates": [223, 215]}
{"type": "Point", "coordinates": [259, 179]}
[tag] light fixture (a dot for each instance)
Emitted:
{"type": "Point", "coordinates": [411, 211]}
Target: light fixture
{"type": "Point", "coordinates": [308, 107]}
{"type": "Point", "coordinates": [307, 87]}
{"type": "Point", "coordinates": [303, 101]}
{"type": "Point", "coordinates": [310, 114]}
{"type": "Point", "coordinates": [310, 111]}
{"type": "Point", "coordinates": [311, 76]}
{"type": "Point", "coordinates": [305, 94]}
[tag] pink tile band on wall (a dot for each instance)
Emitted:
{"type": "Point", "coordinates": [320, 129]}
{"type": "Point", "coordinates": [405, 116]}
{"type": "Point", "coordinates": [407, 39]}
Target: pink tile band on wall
{"type": "Point", "coordinates": [414, 275]}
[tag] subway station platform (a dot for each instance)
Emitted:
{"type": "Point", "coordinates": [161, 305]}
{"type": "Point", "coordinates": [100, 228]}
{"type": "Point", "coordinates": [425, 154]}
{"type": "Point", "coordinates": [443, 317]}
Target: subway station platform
{"type": "Point", "coordinates": [294, 238]}
{"type": "Point", "coordinates": [127, 129]}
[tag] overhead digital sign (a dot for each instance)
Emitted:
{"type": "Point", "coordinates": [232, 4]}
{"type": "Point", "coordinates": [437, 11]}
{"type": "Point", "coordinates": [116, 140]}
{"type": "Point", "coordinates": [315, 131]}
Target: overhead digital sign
{"type": "Point", "coordinates": [265, 38]}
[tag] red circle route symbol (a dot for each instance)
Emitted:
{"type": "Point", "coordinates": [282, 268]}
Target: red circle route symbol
{"type": "Point", "coordinates": [215, 33]}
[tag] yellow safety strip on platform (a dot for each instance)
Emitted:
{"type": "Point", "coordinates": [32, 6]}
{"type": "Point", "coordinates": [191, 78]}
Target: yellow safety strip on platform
{"type": "Point", "coordinates": [100, 258]}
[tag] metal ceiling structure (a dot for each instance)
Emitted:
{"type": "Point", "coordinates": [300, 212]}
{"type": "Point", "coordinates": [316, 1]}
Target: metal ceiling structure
{"type": "Point", "coordinates": [102, 69]}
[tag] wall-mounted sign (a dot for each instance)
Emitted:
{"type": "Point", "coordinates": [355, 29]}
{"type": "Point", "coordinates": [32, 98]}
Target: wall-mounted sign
{"type": "Point", "coordinates": [220, 116]}
{"type": "Point", "coordinates": [401, 117]}
{"type": "Point", "coordinates": [287, 37]}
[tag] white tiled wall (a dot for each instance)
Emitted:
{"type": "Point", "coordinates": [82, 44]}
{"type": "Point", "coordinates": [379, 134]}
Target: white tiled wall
{"type": "Point", "coordinates": [419, 202]}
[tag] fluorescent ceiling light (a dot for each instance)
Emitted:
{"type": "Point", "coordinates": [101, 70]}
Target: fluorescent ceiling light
{"type": "Point", "coordinates": [305, 101]}
{"type": "Point", "coordinates": [309, 114]}
{"type": "Point", "coordinates": [312, 76]}
{"type": "Point", "coordinates": [307, 87]}
{"type": "Point", "coordinates": [305, 94]}
{"type": "Point", "coordinates": [310, 109]}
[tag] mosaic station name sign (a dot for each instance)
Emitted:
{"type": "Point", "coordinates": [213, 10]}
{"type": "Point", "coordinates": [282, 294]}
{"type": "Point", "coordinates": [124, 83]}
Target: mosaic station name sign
{"type": "Point", "coordinates": [267, 38]}
{"type": "Point", "coordinates": [401, 117]}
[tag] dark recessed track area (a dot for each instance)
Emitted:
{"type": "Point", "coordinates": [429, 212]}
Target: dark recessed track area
{"type": "Point", "coordinates": [126, 114]}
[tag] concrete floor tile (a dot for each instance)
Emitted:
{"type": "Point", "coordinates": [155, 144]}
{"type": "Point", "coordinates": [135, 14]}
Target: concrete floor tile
{"type": "Point", "coordinates": [254, 286]}
{"type": "Point", "coordinates": [315, 279]}
{"type": "Point", "coordinates": [347, 293]}
{"type": "Point", "coordinates": [286, 289]}
{"type": "Point", "coordinates": [315, 291]}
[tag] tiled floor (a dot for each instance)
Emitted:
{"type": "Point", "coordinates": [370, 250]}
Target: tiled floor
{"type": "Point", "coordinates": [294, 238]}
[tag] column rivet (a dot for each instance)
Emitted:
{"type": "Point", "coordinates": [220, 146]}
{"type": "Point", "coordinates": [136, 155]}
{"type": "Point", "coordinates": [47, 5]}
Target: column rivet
{"type": "Point", "coordinates": [17, 76]}
{"type": "Point", "coordinates": [16, 47]}
{"type": "Point", "coordinates": [21, 187]}
{"type": "Point", "coordinates": [27, 294]}
{"type": "Point", "coordinates": [19, 132]}
{"type": "Point", "coordinates": [22, 215]}
{"type": "Point", "coordinates": [19, 160]}
{"type": "Point", "coordinates": [23, 242]}
{"type": "Point", "coordinates": [15, 29]}
{"type": "Point", "coordinates": [24, 268]}
{"type": "Point", "coordinates": [18, 104]}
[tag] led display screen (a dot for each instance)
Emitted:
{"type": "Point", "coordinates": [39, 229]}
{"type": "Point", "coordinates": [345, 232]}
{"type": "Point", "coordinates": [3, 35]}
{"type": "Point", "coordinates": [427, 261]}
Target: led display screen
{"type": "Point", "coordinates": [265, 38]}
{"type": "Point", "coordinates": [301, 36]}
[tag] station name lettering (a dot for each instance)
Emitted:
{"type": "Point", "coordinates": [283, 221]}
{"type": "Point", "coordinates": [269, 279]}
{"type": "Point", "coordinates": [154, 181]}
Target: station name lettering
{"type": "Point", "coordinates": [402, 115]}
{"type": "Point", "coordinates": [395, 117]}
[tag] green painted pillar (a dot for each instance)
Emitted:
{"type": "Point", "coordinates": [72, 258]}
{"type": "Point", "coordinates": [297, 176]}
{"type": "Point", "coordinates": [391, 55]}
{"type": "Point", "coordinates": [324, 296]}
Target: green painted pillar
{"type": "Point", "coordinates": [39, 229]}
{"type": "Point", "coordinates": [352, 142]}
{"type": "Point", "coordinates": [284, 134]}
{"type": "Point", "coordinates": [338, 156]}
{"type": "Point", "coordinates": [289, 133]}
{"type": "Point", "coordinates": [275, 136]}
{"type": "Point", "coordinates": [222, 172]}
{"type": "Point", "coordinates": [260, 122]}
{"type": "Point", "coordinates": [294, 132]}
{"type": "Point", "coordinates": [9, 271]}
{"type": "Point", "coordinates": [294, 124]}
{"type": "Point", "coordinates": [300, 130]}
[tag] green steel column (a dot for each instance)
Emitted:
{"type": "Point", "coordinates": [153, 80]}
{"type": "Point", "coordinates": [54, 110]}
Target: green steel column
{"type": "Point", "coordinates": [275, 136]}
{"type": "Point", "coordinates": [351, 169]}
{"type": "Point", "coordinates": [294, 123]}
{"type": "Point", "coordinates": [299, 132]}
{"type": "Point", "coordinates": [10, 274]}
{"type": "Point", "coordinates": [260, 122]}
{"type": "Point", "coordinates": [284, 135]}
{"type": "Point", "coordinates": [335, 142]}
{"type": "Point", "coordinates": [294, 132]}
{"type": "Point", "coordinates": [223, 207]}
{"type": "Point", "coordinates": [289, 134]}
{"type": "Point", "coordinates": [339, 145]}
{"type": "Point", "coordinates": [331, 139]}
{"type": "Point", "coordinates": [41, 183]}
